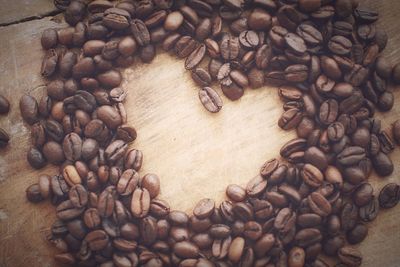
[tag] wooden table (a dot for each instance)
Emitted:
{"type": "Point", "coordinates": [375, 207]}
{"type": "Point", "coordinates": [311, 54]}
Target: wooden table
{"type": "Point", "coordinates": [195, 153]}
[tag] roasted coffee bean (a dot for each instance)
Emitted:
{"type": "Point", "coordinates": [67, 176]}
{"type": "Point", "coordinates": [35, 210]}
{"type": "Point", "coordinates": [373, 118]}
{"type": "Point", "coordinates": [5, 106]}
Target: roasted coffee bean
{"type": "Point", "coordinates": [290, 119]}
{"type": "Point", "coordinates": [67, 211]}
{"type": "Point", "coordinates": [383, 165]}
{"type": "Point", "coordinates": [249, 39]}
{"type": "Point", "coordinates": [106, 202]}
{"type": "Point", "coordinates": [29, 109]}
{"type": "Point", "coordinates": [256, 78]}
{"type": "Point", "coordinates": [210, 99]}
{"type": "Point", "coordinates": [294, 145]}
{"type": "Point", "coordinates": [363, 194]}
{"type": "Point", "coordinates": [259, 19]}
{"type": "Point", "coordinates": [4, 105]}
{"type": "Point", "coordinates": [307, 237]}
{"type": "Point", "coordinates": [357, 234]}
{"type": "Point", "coordinates": [140, 204]}
{"type": "Point", "coordinates": [232, 91]}
{"type": "Point", "coordinates": [312, 175]}
{"type": "Point", "coordinates": [396, 74]}
{"type": "Point", "coordinates": [351, 155]}
{"type": "Point", "coordinates": [389, 196]}
{"type": "Point", "coordinates": [386, 142]}
{"type": "Point", "coordinates": [319, 204]}
{"type": "Point", "coordinates": [204, 29]}
{"type": "Point", "coordinates": [348, 216]}
{"type": "Point", "coordinates": [49, 63]}
{"type": "Point", "coordinates": [97, 240]}
{"type": "Point", "coordinates": [369, 211]}
{"type": "Point", "coordinates": [140, 32]}
{"type": "Point", "coordinates": [350, 256]}
{"type": "Point", "coordinates": [127, 182]}
{"type": "Point", "coordinates": [116, 18]}
{"type": "Point", "coordinates": [185, 249]}
{"type": "Point", "coordinates": [201, 77]}
{"type": "Point", "coordinates": [151, 182]}
{"type": "Point", "coordinates": [229, 47]}
{"type": "Point", "coordinates": [4, 138]}
{"type": "Point", "coordinates": [296, 73]}
{"type": "Point", "coordinates": [185, 46]}
{"type": "Point", "coordinates": [204, 208]}
{"type": "Point", "coordinates": [296, 257]}
{"type": "Point", "coordinates": [33, 193]}
{"type": "Point", "coordinates": [34, 156]}
{"type": "Point", "coordinates": [133, 159]}
{"type": "Point", "coordinates": [256, 186]}
{"type": "Point", "coordinates": [78, 195]}
{"type": "Point", "coordinates": [269, 167]}
{"type": "Point", "coordinates": [264, 244]}
{"type": "Point", "coordinates": [365, 15]}
{"type": "Point", "coordinates": [396, 131]}
{"type": "Point", "coordinates": [339, 45]}
{"type": "Point", "coordinates": [309, 34]}
{"type": "Point", "coordinates": [159, 208]}
{"type": "Point", "coordinates": [328, 111]}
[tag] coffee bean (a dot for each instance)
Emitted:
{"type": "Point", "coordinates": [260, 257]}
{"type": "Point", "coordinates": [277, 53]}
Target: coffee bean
{"type": "Point", "coordinates": [256, 78]}
{"type": "Point", "coordinates": [307, 237]}
{"type": "Point", "coordinates": [49, 63]}
{"type": "Point", "coordinates": [350, 256]}
{"type": "Point", "coordinates": [195, 57]}
{"type": "Point", "coordinates": [296, 73]}
{"type": "Point", "coordinates": [185, 46]}
{"type": "Point", "coordinates": [383, 165]}
{"type": "Point", "coordinates": [312, 175]}
{"type": "Point", "coordinates": [369, 211]}
{"type": "Point", "coordinates": [229, 47]}
{"type": "Point", "coordinates": [67, 211]}
{"type": "Point", "coordinates": [186, 249]}
{"type": "Point", "coordinates": [78, 195]}
{"type": "Point", "coordinates": [204, 208]}
{"type": "Point", "coordinates": [339, 45]}
{"type": "Point", "coordinates": [140, 204]}
{"type": "Point", "coordinates": [140, 32]}
{"type": "Point", "coordinates": [151, 182]}
{"type": "Point", "coordinates": [348, 216]}
{"type": "Point", "coordinates": [264, 244]}
{"type": "Point", "coordinates": [127, 182]}
{"type": "Point", "coordinates": [357, 234]}
{"type": "Point", "coordinates": [4, 105]}
{"type": "Point", "coordinates": [220, 247]}
{"type": "Point", "coordinates": [4, 138]}
{"type": "Point", "coordinates": [296, 257]}
{"type": "Point", "coordinates": [389, 196]}
{"type": "Point", "coordinates": [33, 193]}
{"type": "Point", "coordinates": [236, 249]}
{"type": "Point", "coordinates": [259, 19]}
{"type": "Point", "coordinates": [29, 109]}
{"type": "Point", "coordinates": [210, 99]}
{"type": "Point", "coordinates": [232, 91]}
{"type": "Point", "coordinates": [309, 34]}
{"type": "Point", "coordinates": [365, 15]}
{"type": "Point", "coordinates": [133, 159]}
{"type": "Point", "coordinates": [290, 119]}
{"type": "Point", "coordinates": [116, 18]}
{"type": "Point", "coordinates": [256, 186]}
{"type": "Point", "coordinates": [319, 204]}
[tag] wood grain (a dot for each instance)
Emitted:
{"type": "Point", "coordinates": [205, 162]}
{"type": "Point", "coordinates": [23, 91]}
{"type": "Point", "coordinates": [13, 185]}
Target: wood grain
{"type": "Point", "coordinates": [196, 154]}
{"type": "Point", "coordinates": [16, 11]}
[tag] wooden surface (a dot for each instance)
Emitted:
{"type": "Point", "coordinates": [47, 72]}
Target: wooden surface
{"type": "Point", "coordinates": [23, 10]}
{"type": "Point", "coordinates": [196, 154]}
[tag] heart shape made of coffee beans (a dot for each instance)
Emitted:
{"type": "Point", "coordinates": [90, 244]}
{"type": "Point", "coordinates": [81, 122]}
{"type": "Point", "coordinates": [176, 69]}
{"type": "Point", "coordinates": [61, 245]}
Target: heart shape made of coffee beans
{"type": "Point", "coordinates": [329, 78]}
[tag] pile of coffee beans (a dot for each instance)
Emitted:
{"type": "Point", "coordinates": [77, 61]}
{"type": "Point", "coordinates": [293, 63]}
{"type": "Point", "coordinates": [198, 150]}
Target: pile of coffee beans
{"type": "Point", "coordinates": [325, 58]}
